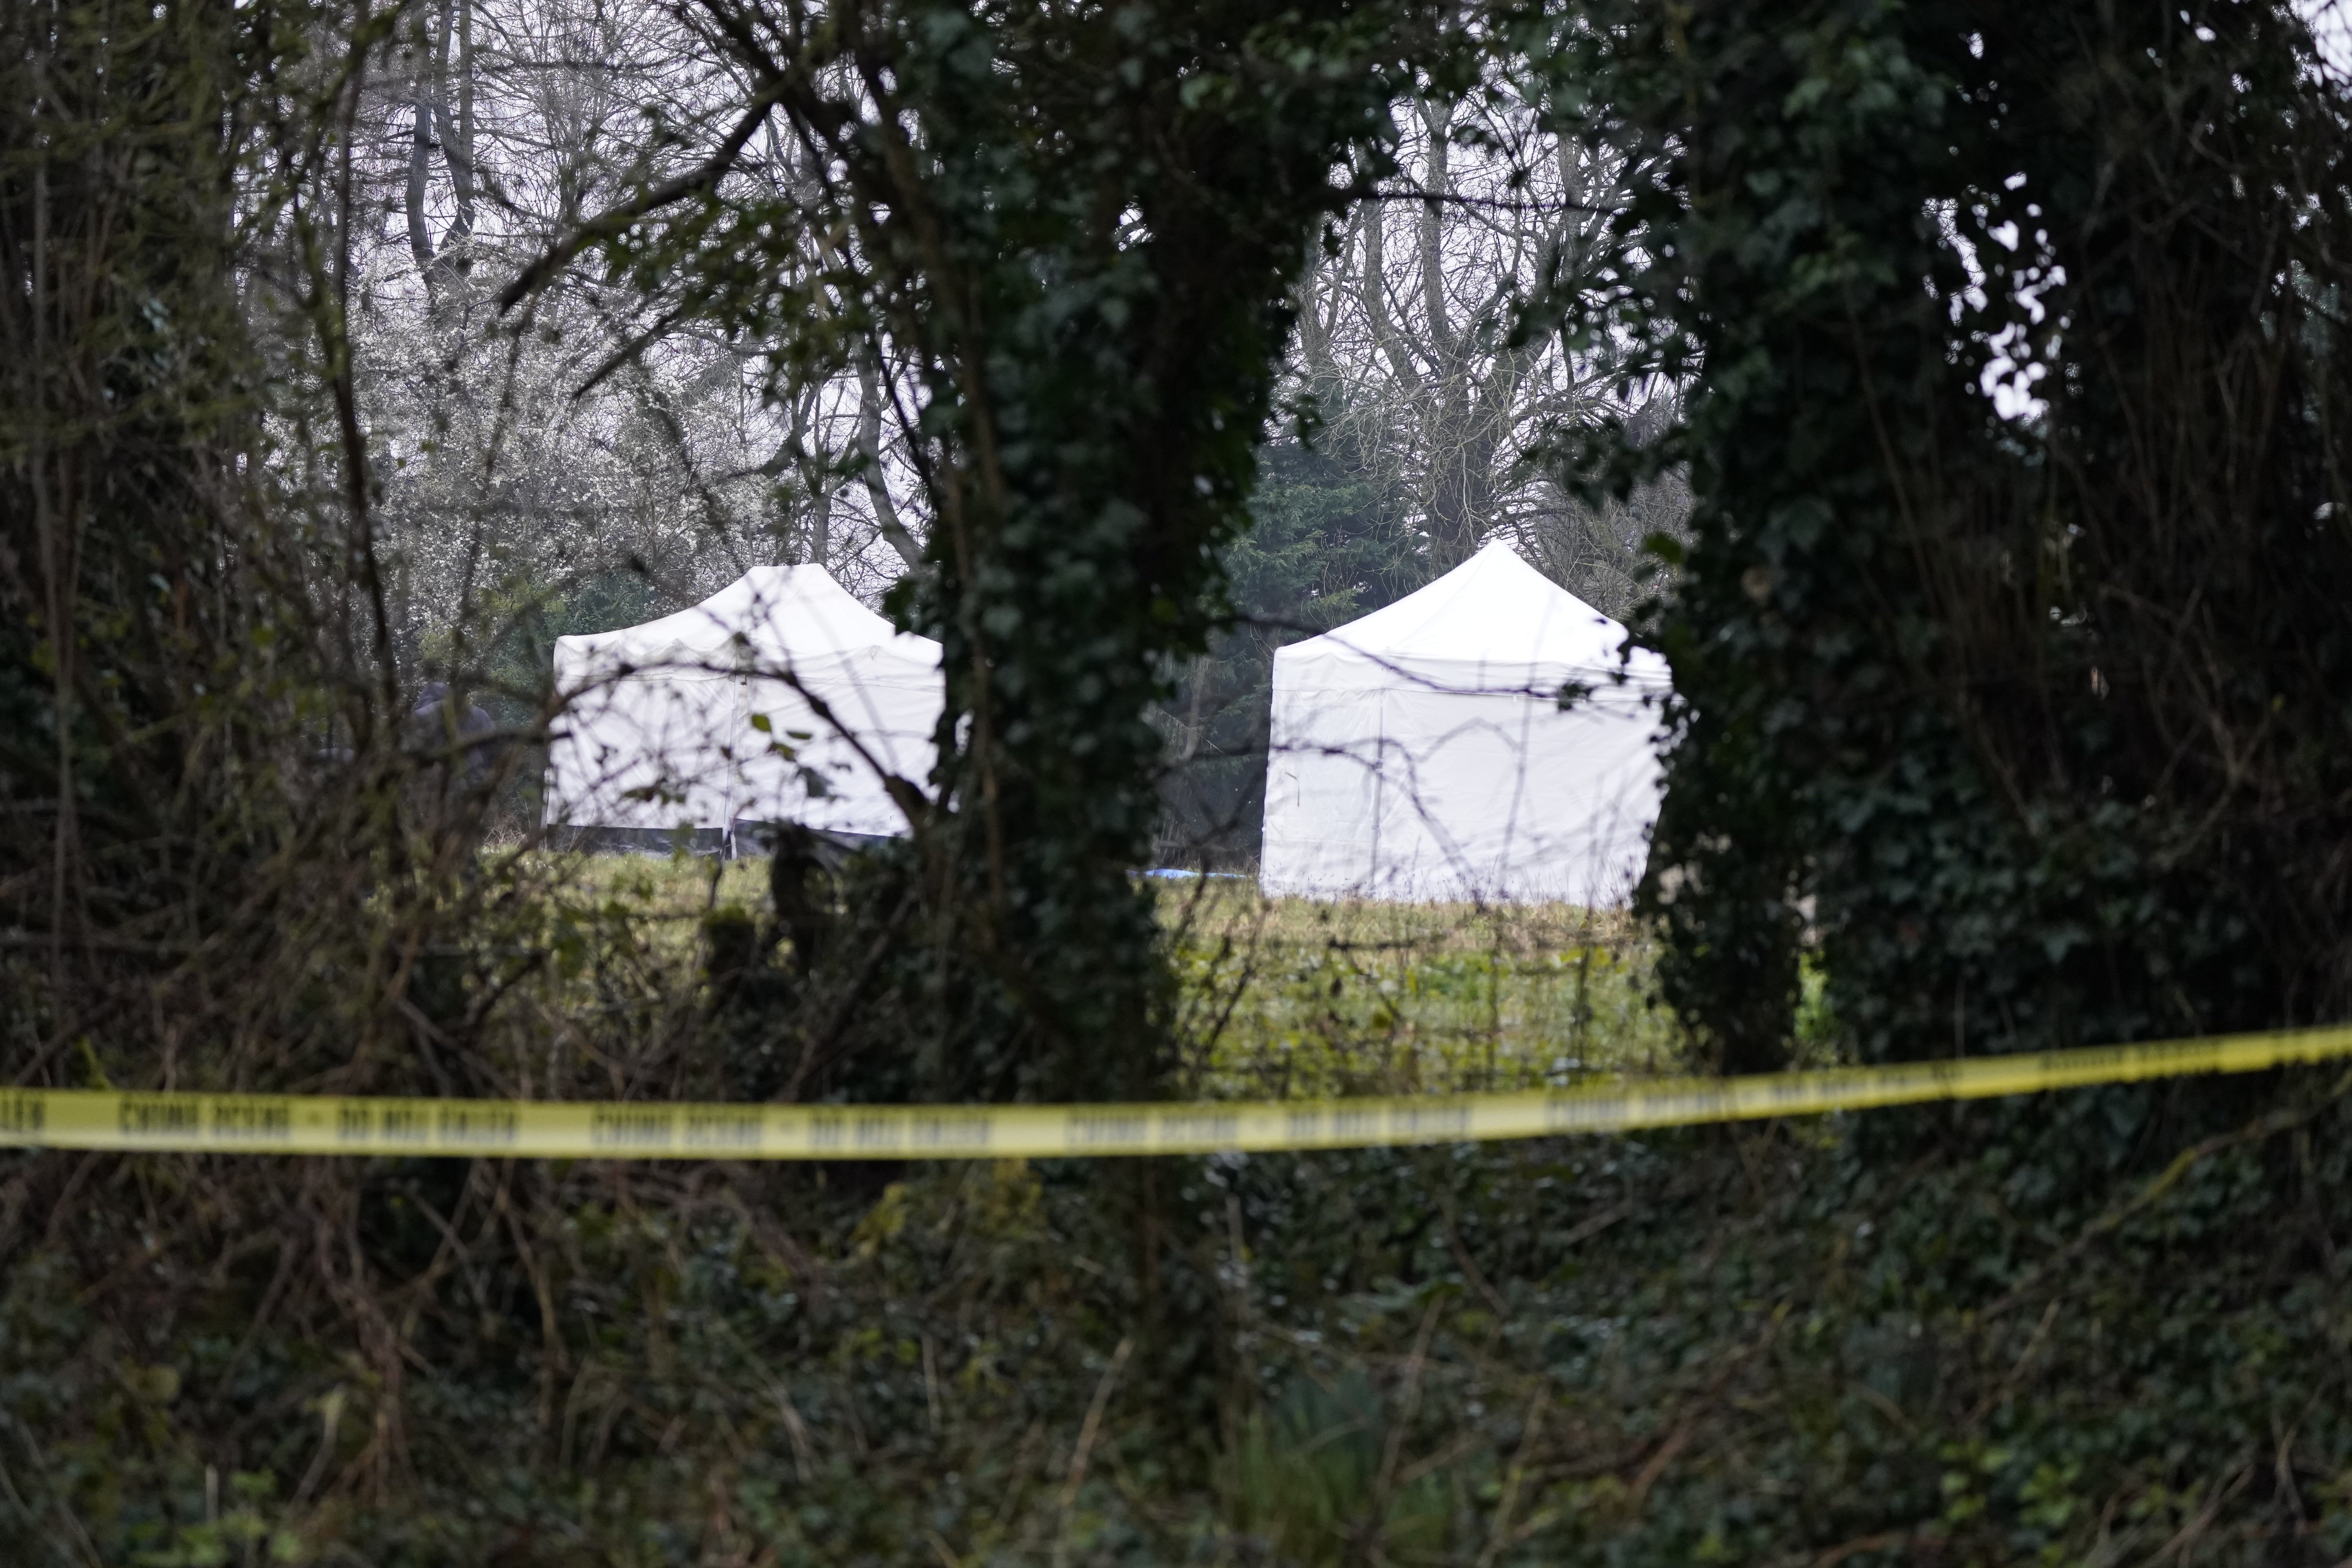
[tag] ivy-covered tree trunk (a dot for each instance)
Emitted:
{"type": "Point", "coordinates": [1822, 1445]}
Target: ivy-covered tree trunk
{"type": "Point", "coordinates": [2010, 654]}
{"type": "Point", "coordinates": [1076, 230]}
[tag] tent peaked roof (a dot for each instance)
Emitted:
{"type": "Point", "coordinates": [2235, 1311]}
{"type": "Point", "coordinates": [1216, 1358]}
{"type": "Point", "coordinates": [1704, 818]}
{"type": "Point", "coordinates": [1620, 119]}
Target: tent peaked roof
{"type": "Point", "coordinates": [787, 615]}
{"type": "Point", "coordinates": [1494, 611]}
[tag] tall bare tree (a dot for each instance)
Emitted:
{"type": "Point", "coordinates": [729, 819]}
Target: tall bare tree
{"type": "Point", "coordinates": [1412, 343]}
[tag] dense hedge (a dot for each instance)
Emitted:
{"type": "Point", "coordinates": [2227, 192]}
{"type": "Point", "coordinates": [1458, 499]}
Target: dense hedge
{"type": "Point", "coordinates": [2031, 718]}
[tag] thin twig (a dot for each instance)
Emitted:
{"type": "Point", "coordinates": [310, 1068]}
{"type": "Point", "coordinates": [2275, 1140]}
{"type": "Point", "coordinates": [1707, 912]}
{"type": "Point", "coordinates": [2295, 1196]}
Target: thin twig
{"type": "Point", "coordinates": [703, 176]}
{"type": "Point", "coordinates": [1410, 1406]}
{"type": "Point", "coordinates": [1085, 1450]}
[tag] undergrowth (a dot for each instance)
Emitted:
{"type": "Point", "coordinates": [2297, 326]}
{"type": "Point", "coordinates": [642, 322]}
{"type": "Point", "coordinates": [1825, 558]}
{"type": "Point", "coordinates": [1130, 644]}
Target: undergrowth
{"type": "Point", "coordinates": [2093, 1328]}
{"type": "Point", "coordinates": [2001, 1334]}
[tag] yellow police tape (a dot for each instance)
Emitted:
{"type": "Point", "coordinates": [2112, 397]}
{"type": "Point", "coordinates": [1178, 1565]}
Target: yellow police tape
{"type": "Point", "coordinates": [321, 1124]}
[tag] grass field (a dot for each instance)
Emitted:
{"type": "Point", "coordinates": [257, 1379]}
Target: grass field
{"type": "Point", "coordinates": [1287, 997]}
{"type": "Point", "coordinates": [1292, 996]}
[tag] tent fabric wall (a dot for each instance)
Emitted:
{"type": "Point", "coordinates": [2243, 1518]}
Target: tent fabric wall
{"type": "Point", "coordinates": [1420, 753]}
{"type": "Point", "coordinates": [657, 731]}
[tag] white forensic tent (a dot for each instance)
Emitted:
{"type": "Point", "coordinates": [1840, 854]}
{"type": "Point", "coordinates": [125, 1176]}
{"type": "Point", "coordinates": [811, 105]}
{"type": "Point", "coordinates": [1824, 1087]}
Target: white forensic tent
{"type": "Point", "coordinates": [1420, 753]}
{"type": "Point", "coordinates": [658, 731]}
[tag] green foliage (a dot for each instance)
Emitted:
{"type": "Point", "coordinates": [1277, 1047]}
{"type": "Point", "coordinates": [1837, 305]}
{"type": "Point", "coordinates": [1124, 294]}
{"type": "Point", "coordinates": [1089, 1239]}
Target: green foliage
{"type": "Point", "coordinates": [1325, 544]}
{"type": "Point", "coordinates": [2033, 718]}
{"type": "Point", "coordinates": [502, 659]}
{"type": "Point", "coordinates": [517, 665]}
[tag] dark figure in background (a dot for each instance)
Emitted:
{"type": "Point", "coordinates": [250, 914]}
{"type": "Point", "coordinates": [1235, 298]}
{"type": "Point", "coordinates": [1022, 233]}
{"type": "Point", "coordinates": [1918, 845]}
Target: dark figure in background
{"type": "Point", "coordinates": [437, 726]}
{"type": "Point", "coordinates": [801, 884]}
{"type": "Point", "coordinates": [455, 753]}
{"type": "Point", "coordinates": [760, 972]}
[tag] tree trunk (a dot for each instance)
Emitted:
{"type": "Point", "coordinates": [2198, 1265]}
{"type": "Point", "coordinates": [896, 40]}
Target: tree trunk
{"type": "Point", "coordinates": [420, 168]}
{"type": "Point", "coordinates": [869, 450]}
{"type": "Point", "coordinates": [457, 137]}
